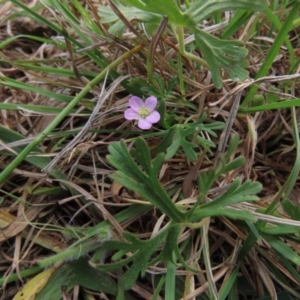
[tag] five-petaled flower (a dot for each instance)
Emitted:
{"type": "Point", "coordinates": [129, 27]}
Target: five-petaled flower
{"type": "Point", "coordinates": [142, 111]}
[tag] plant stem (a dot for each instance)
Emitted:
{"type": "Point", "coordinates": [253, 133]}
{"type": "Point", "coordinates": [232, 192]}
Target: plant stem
{"type": "Point", "coordinates": [187, 54]}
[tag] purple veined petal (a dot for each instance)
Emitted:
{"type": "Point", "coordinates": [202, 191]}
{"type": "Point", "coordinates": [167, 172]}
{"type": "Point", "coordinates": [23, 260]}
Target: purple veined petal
{"type": "Point", "coordinates": [154, 117]}
{"type": "Point", "coordinates": [143, 124]}
{"type": "Point", "coordinates": [135, 103]}
{"type": "Point", "coordinates": [130, 114]}
{"type": "Point", "coordinates": [151, 103]}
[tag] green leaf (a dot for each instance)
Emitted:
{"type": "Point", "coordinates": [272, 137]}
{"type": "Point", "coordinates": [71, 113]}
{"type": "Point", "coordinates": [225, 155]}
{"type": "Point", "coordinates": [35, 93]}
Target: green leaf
{"type": "Point", "coordinates": [159, 160]}
{"type": "Point", "coordinates": [139, 265]}
{"type": "Point", "coordinates": [225, 54]}
{"type": "Point", "coordinates": [180, 139]}
{"type": "Point", "coordinates": [108, 267]}
{"type": "Point", "coordinates": [145, 183]}
{"type": "Point", "coordinates": [71, 274]}
{"type": "Point", "coordinates": [206, 180]}
{"type": "Point", "coordinates": [167, 8]}
{"type": "Point", "coordinates": [171, 150]}
{"type": "Point", "coordinates": [140, 261]}
{"type": "Point", "coordinates": [233, 165]}
{"type": "Point", "coordinates": [131, 184]}
{"type": "Point", "coordinates": [72, 253]}
{"type": "Point", "coordinates": [166, 141]}
{"type": "Point", "coordinates": [292, 209]}
{"type": "Point", "coordinates": [121, 160]}
{"type": "Point", "coordinates": [272, 96]}
{"type": "Point", "coordinates": [206, 144]}
{"type": "Point", "coordinates": [179, 135]}
{"type": "Point", "coordinates": [280, 229]}
{"type": "Point", "coordinates": [209, 128]}
{"type": "Point", "coordinates": [142, 155]}
{"type": "Point", "coordinates": [234, 141]}
{"type": "Point", "coordinates": [169, 245]}
{"type": "Point", "coordinates": [284, 249]}
{"type": "Point", "coordinates": [201, 213]}
{"type": "Point", "coordinates": [218, 53]}
{"type": "Point", "coordinates": [197, 12]}
{"type": "Point", "coordinates": [133, 239]}
{"type": "Point", "coordinates": [92, 278]}
{"type": "Point", "coordinates": [235, 194]}
{"type": "Point", "coordinates": [107, 15]}
{"type": "Point", "coordinates": [201, 9]}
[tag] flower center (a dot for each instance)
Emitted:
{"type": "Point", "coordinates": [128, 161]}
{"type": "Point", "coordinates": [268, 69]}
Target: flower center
{"type": "Point", "coordinates": [144, 112]}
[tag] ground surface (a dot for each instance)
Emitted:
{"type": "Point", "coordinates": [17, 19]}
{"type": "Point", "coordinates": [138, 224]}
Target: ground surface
{"type": "Point", "coordinates": [63, 192]}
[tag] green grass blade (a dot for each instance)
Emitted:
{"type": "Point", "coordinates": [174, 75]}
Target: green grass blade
{"type": "Point", "coordinates": [271, 106]}
{"type": "Point", "coordinates": [59, 118]}
{"type": "Point", "coordinates": [279, 40]}
{"type": "Point", "coordinates": [9, 136]}
{"type": "Point", "coordinates": [170, 281]}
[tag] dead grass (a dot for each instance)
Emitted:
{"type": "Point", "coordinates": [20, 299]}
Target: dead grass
{"type": "Point", "coordinates": [34, 204]}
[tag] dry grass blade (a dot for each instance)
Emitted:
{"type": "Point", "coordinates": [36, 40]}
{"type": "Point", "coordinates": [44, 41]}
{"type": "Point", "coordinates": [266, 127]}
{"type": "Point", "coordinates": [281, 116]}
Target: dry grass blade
{"type": "Point", "coordinates": [155, 40]}
{"type": "Point", "coordinates": [104, 95]}
{"type": "Point", "coordinates": [264, 275]}
{"type": "Point", "coordinates": [126, 22]}
{"type": "Point", "coordinates": [227, 130]}
{"type": "Point", "coordinates": [52, 52]}
{"type": "Point", "coordinates": [20, 223]}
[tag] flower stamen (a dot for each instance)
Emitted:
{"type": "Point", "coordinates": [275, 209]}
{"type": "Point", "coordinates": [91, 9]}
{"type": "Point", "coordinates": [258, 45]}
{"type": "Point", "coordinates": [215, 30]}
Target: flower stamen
{"type": "Point", "coordinates": [144, 112]}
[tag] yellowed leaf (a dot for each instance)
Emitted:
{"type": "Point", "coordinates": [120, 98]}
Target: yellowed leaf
{"type": "Point", "coordinates": [5, 218]}
{"type": "Point", "coordinates": [35, 285]}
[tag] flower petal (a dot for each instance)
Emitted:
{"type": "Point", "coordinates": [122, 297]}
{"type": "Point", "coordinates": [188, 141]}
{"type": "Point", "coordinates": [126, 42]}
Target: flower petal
{"type": "Point", "coordinates": [130, 114]}
{"type": "Point", "coordinates": [151, 103]}
{"type": "Point", "coordinates": [154, 117]}
{"type": "Point", "coordinates": [143, 124]}
{"type": "Point", "coordinates": [135, 103]}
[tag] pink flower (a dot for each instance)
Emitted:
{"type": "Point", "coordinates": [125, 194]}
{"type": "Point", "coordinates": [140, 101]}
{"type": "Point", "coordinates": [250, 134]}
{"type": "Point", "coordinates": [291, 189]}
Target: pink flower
{"type": "Point", "coordinates": [142, 111]}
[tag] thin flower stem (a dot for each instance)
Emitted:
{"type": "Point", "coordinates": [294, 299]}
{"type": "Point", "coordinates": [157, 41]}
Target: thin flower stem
{"type": "Point", "coordinates": [187, 54]}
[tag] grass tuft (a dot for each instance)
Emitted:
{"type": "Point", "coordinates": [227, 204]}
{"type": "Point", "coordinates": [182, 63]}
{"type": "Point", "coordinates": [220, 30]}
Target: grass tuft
{"type": "Point", "coordinates": [204, 204]}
